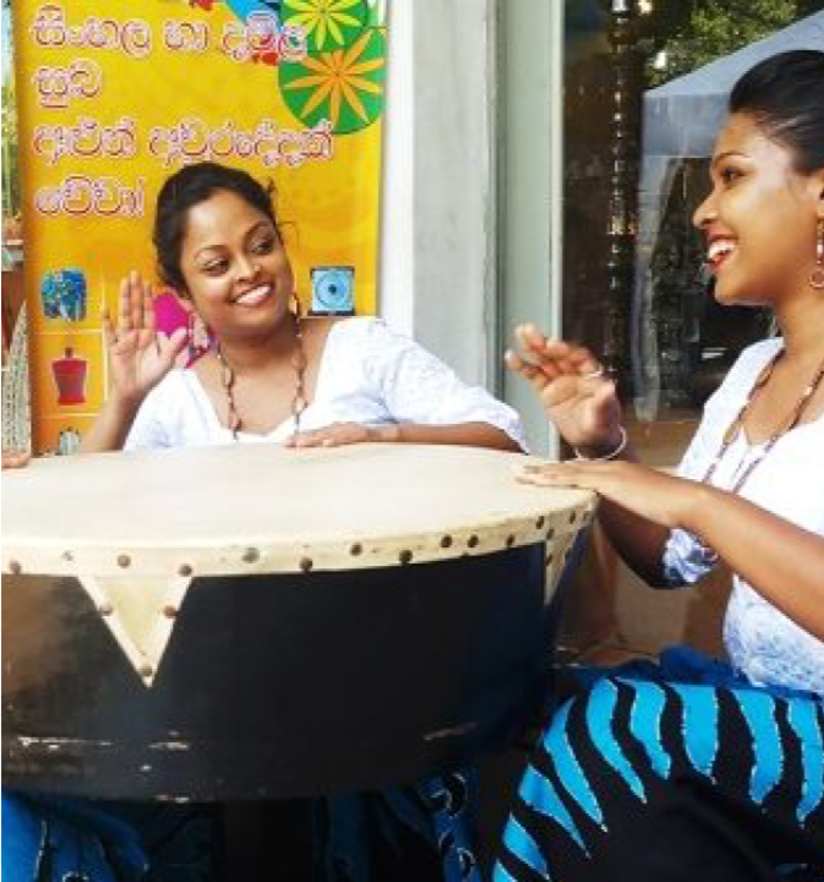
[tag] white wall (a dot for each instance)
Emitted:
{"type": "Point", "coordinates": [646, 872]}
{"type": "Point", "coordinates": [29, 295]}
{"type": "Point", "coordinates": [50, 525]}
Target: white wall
{"type": "Point", "coordinates": [472, 174]}
{"type": "Point", "coordinates": [531, 186]}
{"type": "Point", "coordinates": [438, 272]}
{"type": "Point", "coordinates": [396, 294]}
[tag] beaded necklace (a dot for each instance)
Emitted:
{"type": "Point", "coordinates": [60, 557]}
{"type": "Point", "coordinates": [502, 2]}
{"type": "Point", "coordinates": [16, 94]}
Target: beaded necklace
{"type": "Point", "coordinates": [737, 424]}
{"type": "Point", "coordinates": [299, 402]}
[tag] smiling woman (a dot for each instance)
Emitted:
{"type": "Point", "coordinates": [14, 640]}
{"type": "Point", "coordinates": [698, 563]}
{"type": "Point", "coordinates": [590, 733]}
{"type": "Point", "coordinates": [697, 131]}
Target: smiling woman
{"type": "Point", "coordinates": [694, 768]}
{"type": "Point", "coordinates": [270, 376]}
{"type": "Point", "coordinates": [756, 189]}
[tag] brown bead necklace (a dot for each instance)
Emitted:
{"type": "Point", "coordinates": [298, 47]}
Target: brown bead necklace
{"type": "Point", "coordinates": [737, 424]}
{"type": "Point", "coordinates": [228, 377]}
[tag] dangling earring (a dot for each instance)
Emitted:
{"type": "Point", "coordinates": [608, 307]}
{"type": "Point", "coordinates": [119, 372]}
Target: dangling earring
{"type": "Point", "coordinates": [817, 275]}
{"type": "Point", "coordinates": [197, 337]}
{"type": "Point", "coordinates": [297, 316]}
{"type": "Point", "coordinates": [299, 363]}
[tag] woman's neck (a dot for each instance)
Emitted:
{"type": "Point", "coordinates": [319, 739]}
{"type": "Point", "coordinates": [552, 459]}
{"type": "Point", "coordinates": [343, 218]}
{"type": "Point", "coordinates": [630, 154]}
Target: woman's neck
{"type": "Point", "coordinates": [802, 327]}
{"type": "Point", "coordinates": [256, 354]}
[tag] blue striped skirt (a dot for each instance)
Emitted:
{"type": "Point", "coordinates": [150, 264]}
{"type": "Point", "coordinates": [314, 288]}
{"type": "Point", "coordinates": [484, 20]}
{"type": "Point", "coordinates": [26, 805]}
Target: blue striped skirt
{"type": "Point", "coordinates": [676, 771]}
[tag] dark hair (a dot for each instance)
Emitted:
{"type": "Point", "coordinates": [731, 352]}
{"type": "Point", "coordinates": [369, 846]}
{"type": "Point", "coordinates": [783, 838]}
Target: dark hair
{"type": "Point", "coordinates": [186, 188]}
{"type": "Point", "coordinates": [785, 96]}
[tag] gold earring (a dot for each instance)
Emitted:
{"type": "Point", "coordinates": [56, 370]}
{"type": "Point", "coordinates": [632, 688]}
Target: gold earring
{"type": "Point", "coordinates": [197, 336]}
{"type": "Point", "coordinates": [817, 275]}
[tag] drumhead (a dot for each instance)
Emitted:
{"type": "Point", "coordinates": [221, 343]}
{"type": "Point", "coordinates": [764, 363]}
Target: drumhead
{"type": "Point", "coordinates": [261, 508]}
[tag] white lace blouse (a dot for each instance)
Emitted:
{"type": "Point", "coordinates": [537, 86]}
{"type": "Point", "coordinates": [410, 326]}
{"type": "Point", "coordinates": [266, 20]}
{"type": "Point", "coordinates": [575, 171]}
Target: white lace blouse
{"type": "Point", "coordinates": [763, 643]}
{"type": "Point", "coordinates": [368, 374]}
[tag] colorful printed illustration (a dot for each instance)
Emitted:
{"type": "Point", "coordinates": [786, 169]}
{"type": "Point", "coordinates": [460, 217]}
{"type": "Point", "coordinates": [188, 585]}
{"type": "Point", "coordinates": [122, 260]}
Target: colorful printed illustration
{"type": "Point", "coordinates": [377, 13]}
{"type": "Point", "coordinates": [70, 377]}
{"type": "Point", "coordinates": [121, 95]}
{"type": "Point", "coordinates": [244, 8]}
{"type": "Point", "coordinates": [344, 85]}
{"type": "Point", "coordinates": [333, 290]}
{"type": "Point", "coordinates": [63, 295]}
{"type": "Point", "coordinates": [68, 441]}
{"type": "Point", "coordinates": [171, 315]}
{"type": "Point", "coordinates": [329, 24]}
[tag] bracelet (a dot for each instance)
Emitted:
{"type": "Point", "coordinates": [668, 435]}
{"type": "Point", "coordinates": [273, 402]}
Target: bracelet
{"type": "Point", "coordinates": [622, 444]}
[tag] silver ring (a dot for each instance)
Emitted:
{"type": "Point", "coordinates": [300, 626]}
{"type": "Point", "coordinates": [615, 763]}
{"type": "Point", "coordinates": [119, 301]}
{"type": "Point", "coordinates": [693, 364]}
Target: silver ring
{"type": "Point", "coordinates": [593, 375]}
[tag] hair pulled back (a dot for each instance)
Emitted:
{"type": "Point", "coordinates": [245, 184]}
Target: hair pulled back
{"type": "Point", "coordinates": [784, 94]}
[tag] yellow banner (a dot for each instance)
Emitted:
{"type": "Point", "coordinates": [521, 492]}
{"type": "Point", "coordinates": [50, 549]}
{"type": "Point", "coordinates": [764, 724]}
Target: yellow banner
{"type": "Point", "coordinates": [114, 95]}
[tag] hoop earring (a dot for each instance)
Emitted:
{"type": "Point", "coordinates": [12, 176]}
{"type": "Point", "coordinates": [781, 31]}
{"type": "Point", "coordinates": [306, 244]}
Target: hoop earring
{"type": "Point", "coordinates": [817, 275]}
{"type": "Point", "coordinates": [197, 337]}
{"type": "Point", "coordinates": [294, 306]}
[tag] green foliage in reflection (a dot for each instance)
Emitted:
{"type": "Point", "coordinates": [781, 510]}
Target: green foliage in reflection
{"type": "Point", "coordinates": [701, 31]}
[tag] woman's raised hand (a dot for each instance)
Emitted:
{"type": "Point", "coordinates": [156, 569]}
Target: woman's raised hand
{"type": "Point", "coordinates": [576, 395]}
{"type": "Point", "coordinates": [139, 355]}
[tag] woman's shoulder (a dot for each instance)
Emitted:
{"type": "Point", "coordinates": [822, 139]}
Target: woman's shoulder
{"type": "Point", "coordinates": [749, 364]}
{"type": "Point", "coordinates": [365, 336]}
{"type": "Point", "coordinates": [757, 355]}
{"type": "Point", "coordinates": [357, 326]}
{"type": "Point", "coordinates": [179, 378]}
{"type": "Point", "coordinates": [739, 379]}
{"type": "Point", "coordinates": [173, 404]}
{"type": "Point", "coordinates": [177, 385]}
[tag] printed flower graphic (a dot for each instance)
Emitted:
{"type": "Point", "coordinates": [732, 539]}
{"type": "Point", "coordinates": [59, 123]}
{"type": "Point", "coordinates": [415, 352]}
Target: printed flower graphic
{"type": "Point", "coordinates": [377, 13]}
{"type": "Point", "coordinates": [336, 22]}
{"type": "Point", "coordinates": [344, 86]}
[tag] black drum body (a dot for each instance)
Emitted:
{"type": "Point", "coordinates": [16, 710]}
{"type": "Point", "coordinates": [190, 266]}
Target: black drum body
{"type": "Point", "coordinates": [281, 686]}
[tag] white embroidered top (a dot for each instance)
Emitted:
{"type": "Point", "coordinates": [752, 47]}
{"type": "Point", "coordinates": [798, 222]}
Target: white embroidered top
{"type": "Point", "coordinates": [368, 374]}
{"type": "Point", "coordinates": [763, 643]}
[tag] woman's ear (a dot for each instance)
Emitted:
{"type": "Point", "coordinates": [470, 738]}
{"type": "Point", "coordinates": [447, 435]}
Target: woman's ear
{"type": "Point", "coordinates": [818, 184]}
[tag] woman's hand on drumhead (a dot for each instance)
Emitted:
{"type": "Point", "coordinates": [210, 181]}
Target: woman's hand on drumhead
{"type": "Point", "coordinates": [661, 498]}
{"type": "Point", "coordinates": [139, 355]}
{"type": "Point", "coordinates": [336, 435]}
{"type": "Point", "coordinates": [576, 394]}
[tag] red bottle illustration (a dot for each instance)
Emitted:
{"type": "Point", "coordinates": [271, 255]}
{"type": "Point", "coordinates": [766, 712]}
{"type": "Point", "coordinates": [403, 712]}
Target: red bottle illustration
{"type": "Point", "coordinates": [70, 376]}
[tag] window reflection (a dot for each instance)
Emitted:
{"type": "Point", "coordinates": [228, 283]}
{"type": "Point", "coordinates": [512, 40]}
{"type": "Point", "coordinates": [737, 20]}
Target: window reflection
{"type": "Point", "coordinates": [635, 289]}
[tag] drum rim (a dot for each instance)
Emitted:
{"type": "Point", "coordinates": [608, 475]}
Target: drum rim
{"type": "Point", "coordinates": [487, 533]}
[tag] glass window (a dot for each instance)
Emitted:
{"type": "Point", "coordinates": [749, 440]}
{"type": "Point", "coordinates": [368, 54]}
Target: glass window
{"type": "Point", "coordinates": [645, 91]}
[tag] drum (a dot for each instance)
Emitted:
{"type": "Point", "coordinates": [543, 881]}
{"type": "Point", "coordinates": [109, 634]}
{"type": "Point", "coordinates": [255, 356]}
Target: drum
{"type": "Point", "coordinates": [249, 621]}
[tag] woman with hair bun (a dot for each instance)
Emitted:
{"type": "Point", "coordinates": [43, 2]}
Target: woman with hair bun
{"type": "Point", "coordinates": [269, 376]}
{"type": "Point", "coordinates": [691, 769]}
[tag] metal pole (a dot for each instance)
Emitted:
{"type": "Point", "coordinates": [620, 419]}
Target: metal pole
{"type": "Point", "coordinates": [622, 219]}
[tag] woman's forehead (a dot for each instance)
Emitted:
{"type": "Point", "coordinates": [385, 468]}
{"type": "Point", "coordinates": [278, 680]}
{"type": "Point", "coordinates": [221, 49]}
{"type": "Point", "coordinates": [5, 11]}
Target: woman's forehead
{"type": "Point", "coordinates": [742, 134]}
{"type": "Point", "coordinates": [224, 215]}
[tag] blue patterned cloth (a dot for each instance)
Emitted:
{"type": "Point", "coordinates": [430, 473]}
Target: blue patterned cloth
{"type": "Point", "coordinates": [421, 833]}
{"type": "Point", "coordinates": [673, 771]}
{"type": "Point", "coordinates": [48, 838]}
